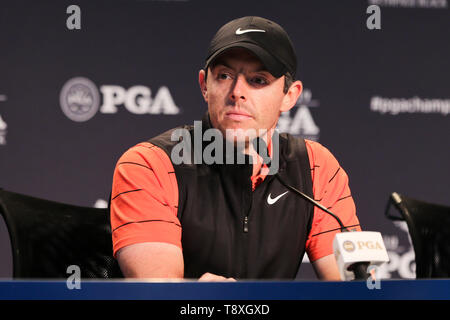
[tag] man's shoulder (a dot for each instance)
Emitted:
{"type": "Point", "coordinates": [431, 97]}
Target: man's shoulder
{"type": "Point", "coordinates": [143, 153]}
{"type": "Point", "coordinates": [167, 139]}
{"type": "Point", "coordinates": [324, 165]}
{"type": "Point", "coordinates": [155, 143]}
{"type": "Point", "coordinates": [318, 154]}
{"type": "Point", "coordinates": [318, 151]}
{"type": "Point", "coordinates": [315, 149]}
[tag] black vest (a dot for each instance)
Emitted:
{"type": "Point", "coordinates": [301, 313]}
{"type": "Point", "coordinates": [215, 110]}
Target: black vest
{"type": "Point", "coordinates": [230, 230]}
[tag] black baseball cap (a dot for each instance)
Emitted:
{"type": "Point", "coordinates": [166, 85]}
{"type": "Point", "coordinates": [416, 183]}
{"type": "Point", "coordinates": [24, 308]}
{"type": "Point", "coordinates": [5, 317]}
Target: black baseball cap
{"type": "Point", "coordinates": [265, 38]}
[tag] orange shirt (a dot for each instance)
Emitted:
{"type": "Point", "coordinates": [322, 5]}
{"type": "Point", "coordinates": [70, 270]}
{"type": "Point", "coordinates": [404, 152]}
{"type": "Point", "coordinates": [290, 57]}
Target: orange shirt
{"type": "Point", "coordinates": [144, 199]}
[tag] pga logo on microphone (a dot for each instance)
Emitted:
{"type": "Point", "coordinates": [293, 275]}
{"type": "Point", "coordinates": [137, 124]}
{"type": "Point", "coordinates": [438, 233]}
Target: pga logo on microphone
{"type": "Point", "coordinates": [350, 246]}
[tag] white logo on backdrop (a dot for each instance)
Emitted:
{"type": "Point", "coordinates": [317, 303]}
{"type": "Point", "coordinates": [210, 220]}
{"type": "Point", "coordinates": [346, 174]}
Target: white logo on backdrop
{"type": "Point", "coordinates": [80, 100]}
{"type": "Point", "coordinates": [298, 121]}
{"type": "Point", "coordinates": [430, 4]}
{"type": "Point", "coordinates": [401, 257]}
{"type": "Point", "coordinates": [3, 125]}
{"type": "Point", "coordinates": [138, 100]}
{"type": "Point", "coordinates": [101, 204]}
{"type": "Point", "coordinates": [395, 106]}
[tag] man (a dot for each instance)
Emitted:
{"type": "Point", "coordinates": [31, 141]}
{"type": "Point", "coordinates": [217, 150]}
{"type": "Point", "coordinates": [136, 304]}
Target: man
{"type": "Point", "coordinates": [225, 221]}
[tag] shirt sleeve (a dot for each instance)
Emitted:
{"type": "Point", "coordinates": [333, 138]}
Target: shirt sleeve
{"type": "Point", "coordinates": [331, 189]}
{"type": "Point", "coordinates": [144, 198]}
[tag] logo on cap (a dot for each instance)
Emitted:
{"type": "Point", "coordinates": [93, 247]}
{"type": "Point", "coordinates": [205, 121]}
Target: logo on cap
{"type": "Point", "coordinates": [239, 31]}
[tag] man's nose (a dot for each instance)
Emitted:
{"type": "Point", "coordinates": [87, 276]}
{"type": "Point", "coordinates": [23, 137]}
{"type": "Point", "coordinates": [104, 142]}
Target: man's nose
{"type": "Point", "coordinates": [239, 89]}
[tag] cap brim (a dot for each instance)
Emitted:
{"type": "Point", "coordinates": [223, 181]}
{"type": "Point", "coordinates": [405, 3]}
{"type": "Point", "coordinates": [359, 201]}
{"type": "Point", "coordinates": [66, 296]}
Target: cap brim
{"type": "Point", "coordinates": [276, 68]}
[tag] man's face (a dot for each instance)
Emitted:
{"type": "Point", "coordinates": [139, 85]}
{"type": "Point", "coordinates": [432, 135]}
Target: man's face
{"type": "Point", "coordinates": [241, 94]}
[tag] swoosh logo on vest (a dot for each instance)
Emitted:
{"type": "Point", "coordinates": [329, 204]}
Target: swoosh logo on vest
{"type": "Point", "coordinates": [239, 31]}
{"type": "Point", "coordinates": [271, 200]}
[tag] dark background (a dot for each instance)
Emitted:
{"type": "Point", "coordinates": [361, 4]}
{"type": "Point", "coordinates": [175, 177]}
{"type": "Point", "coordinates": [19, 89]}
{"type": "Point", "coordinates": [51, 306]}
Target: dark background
{"type": "Point", "coordinates": [342, 64]}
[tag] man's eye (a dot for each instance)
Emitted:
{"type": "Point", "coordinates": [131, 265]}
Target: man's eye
{"type": "Point", "coordinates": [258, 80]}
{"type": "Point", "coordinates": [223, 76]}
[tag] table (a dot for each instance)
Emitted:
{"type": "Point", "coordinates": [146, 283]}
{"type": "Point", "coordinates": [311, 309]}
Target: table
{"type": "Point", "coordinates": [436, 289]}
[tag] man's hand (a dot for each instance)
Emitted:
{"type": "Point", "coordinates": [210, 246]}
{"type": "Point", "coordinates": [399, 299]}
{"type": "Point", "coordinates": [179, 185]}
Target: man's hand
{"type": "Point", "coordinates": [214, 277]}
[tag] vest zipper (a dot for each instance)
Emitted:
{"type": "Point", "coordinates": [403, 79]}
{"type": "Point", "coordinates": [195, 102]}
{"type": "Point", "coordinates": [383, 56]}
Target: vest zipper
{"type": "Point", "coordinates": [245, 224]}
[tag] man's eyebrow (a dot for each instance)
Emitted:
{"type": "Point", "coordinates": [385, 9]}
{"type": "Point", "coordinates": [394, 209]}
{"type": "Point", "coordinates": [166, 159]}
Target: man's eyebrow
{"type": "Point", "coordinates": [262, 69]}
{"type": "Point", "coordinates": [221, 63]}
{"type": "Point", "coordinates": [224, 64]}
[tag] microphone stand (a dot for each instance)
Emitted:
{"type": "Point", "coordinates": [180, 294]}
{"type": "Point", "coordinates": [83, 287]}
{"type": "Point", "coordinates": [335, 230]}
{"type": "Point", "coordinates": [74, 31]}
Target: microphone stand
{"type": "Point", "coordinates": [358, 268]}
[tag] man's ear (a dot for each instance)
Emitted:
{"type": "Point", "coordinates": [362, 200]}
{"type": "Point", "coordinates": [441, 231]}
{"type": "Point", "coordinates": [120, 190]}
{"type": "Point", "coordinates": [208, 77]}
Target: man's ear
{"type": "Point", "coordinates": [202, 83]}
{"type": "Point", "coordinates": [291, 97]}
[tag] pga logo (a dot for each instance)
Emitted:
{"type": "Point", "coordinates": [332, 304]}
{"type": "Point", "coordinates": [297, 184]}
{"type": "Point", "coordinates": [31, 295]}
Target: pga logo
{"type": "Point", "coordinates": [372, 245]}
{"type": "Point", "coordinates": [299, 121]}
{"type": "Point", "coordinates": [80, 100]}
{"type": "Point", "coordinates": [3, 127]}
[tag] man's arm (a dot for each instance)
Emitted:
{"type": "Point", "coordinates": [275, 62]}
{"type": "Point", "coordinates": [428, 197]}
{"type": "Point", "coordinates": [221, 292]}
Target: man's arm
{"type": "Point", "coordinates": [156, 260]}
{"type": "Point", "coordinates": [146, 232]}
{"type": "Point", "coordinates": [326, 268]}
{"type": "Point", "coordinates": [331, 189]}
{"type": "Point", "coordinates": [151, 260]}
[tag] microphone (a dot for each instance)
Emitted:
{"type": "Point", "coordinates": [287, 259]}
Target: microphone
{"type": "Point", "coordinates": [260, 147]}
{"type": "Point", "coordinates": [354, 251]}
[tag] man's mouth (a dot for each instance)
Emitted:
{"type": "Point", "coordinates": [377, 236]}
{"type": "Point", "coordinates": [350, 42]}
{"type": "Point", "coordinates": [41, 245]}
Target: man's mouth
{"type": "Point", "coordinates": [238, 115]}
